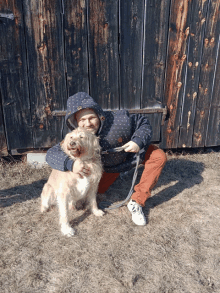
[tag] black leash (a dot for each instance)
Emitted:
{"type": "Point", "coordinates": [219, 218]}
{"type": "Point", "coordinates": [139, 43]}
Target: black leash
{"type": "Point", "coordinates": [115, 206]}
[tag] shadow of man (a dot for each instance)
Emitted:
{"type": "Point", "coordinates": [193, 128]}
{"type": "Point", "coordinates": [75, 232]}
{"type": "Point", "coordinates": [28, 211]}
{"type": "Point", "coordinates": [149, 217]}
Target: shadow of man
{"type": "Point", "coordinates": [21, 193]}
{"type": "Point", "coordinates": [177, 175]}
{"type": "Point", "coordinates": [183, 173]}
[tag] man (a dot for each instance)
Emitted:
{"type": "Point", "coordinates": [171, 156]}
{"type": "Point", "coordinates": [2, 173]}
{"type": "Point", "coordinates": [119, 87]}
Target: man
{"type": "Point", "coordinates": [115, 129]}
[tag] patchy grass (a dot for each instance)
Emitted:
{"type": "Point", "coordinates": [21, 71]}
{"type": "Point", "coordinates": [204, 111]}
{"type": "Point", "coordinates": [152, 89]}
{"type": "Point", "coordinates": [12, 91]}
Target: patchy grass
{"type": "Point", "coordinates": [177, 251]}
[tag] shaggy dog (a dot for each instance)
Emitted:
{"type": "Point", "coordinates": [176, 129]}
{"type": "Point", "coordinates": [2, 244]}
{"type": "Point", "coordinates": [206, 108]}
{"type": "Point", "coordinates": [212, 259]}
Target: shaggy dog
{"type": "Point", "coordinates": [68, 187]}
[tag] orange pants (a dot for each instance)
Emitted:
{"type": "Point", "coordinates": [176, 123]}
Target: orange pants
{"type": "Point", "coordinates": [154, 161]}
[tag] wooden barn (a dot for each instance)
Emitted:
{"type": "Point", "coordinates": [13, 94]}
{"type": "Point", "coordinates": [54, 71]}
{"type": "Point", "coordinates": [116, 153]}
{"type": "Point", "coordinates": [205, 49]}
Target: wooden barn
{"type": "Point", "coordinates": [157, 57]}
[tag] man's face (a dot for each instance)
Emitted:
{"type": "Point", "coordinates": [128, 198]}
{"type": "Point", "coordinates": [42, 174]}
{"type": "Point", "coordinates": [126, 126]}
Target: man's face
{"type": "Point", "coordinates": [88, 119]}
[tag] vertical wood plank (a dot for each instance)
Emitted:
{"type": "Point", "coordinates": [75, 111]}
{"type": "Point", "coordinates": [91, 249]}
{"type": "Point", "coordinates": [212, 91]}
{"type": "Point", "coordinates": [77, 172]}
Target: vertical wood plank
{"type": "Point", "coordinates": [103, 52]}
{"type": "Point", "coordinates": [155, 51]}
{"type": "Point", "coordinates": [176, 68]}
{"type": "Point", "coordinates": [14, 83]}
{"type": "Point", "coordinates": [155, 121]}
{"type": "Point", "coordinates": [45, 55]}
{"type": "Point", "coordinates": [3, 143]}
{"type": "Point", "coordinates": [196, 39]}
{"type": "Point", "coordinates": [76, 46]}
{"type": "Point", "coordinates": [213, 132]}
{"type": "Point", "coordinates": [131, 52]}
{"type": "Point", "coordinates": [207, 75]}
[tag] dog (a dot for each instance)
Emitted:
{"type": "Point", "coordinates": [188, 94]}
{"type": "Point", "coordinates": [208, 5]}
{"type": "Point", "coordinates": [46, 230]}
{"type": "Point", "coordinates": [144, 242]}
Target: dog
{"type": "Point", "coordinates": [68, 187]}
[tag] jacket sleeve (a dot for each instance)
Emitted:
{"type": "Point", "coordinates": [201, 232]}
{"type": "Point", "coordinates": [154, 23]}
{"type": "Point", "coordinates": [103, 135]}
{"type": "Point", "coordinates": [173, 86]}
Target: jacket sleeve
{"type": "Point", "coordinates": [142, 130]}
{"type": "Point", "coordinates": [58, 160]}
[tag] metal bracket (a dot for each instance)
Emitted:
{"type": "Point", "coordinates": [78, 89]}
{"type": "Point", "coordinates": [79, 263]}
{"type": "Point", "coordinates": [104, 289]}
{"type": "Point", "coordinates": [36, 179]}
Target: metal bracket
{"type": "Point", "coordinates": [8, 15]}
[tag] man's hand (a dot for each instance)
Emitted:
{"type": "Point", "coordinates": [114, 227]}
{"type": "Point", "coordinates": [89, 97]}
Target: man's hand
{"type": "Point", "coordinates": [81, 169]}
{"type": "Point", "coordinates": [131, 147]}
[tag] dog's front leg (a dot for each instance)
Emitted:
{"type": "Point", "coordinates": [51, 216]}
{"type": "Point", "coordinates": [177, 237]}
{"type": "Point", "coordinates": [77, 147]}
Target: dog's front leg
{"type": "Point", "coordinates": [62, 199]}
{"type": "Point", "coordinates": [93, 203]}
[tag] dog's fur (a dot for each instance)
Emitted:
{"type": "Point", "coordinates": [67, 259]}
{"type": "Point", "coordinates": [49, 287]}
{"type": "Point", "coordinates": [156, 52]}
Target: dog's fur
{"type": "Point", "coordinates": [68, 187]}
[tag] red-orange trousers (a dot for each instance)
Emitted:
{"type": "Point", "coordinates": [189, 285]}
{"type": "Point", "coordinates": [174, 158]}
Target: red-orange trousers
{"type": "Point", "coordinates": [154, 161]}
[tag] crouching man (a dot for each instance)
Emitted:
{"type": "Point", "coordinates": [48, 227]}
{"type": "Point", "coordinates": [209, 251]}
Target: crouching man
{"type": "Point", "coordinates": [115, 129]}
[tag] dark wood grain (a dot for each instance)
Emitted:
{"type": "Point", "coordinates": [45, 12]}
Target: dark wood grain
{"type": "Point", "coordinates": [76, 46]}
{"type": "Point", "coordinates": [14, 81]}
{"type": "Point", "coordinates": [207, 74]}
{"type": "Point", "coordinates": [45, 56]}
{"type": "Point", "coordinates": [103, 52]}
{"type": "Point", "coordinates": [3, 143]}
{"type": "Point", "coordinates": [213, 131]}
{"type": "Point", "coordinates": [176, 69]}
{"type": "Point", "coordinates": [155, 51]}
{"type": "Point", "coordinates": [196, 40]}
{"type": "Point", "coordinates": [131, 52]}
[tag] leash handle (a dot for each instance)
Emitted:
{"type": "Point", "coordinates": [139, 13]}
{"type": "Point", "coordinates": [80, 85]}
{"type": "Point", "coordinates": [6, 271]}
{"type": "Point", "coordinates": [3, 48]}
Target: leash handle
{"type": "Point", "coordinates": [114, 150]}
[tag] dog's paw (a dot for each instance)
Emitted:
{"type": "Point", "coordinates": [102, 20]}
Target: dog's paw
{"type": "Point", "coordinates": [98, 213]}
{"type": "Point", "coordinates": [67, 230]}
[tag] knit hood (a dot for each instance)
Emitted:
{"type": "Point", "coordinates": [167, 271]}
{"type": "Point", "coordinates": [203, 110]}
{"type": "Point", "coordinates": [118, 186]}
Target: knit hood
{"type": "Point", "coordinates": [78, 102]}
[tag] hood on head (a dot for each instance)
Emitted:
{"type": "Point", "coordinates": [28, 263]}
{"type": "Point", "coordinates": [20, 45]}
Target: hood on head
{"type": "Point", "coordinates": [78, 102]}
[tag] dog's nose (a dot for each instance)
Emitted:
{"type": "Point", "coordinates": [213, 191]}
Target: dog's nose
{"type": "Point", "coordinates": [72, 143]}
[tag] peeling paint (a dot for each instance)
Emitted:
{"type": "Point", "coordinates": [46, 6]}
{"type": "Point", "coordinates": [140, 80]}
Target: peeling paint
{"type": "Point", "coordinates": [202, 21]}
{"type": "Point", "coordinates": [188, 124]}
{"type": "Point", "coordinates": [198, 136]}
{"type": "Point", "coordinates": [194, 95]}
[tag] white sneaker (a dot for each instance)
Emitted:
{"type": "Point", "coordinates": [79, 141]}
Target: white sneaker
{"type": "Point", "coordinates": [137, 214]}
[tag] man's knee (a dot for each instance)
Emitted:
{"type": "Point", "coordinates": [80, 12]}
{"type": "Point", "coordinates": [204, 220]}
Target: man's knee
{"type": "Point", "coordinates": [160, 156]}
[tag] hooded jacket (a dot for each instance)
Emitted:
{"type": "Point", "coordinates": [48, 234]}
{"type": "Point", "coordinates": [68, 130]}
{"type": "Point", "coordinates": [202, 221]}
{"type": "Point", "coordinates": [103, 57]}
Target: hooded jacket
{"type": "Point", "coordinates": [116, 129]}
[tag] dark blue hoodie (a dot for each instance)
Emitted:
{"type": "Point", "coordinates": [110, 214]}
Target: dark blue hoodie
{"type": "Point", "coordinates": [116, 129]}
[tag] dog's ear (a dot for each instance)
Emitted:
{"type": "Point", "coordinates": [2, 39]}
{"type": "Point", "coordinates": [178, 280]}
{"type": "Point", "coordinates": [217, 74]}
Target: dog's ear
{"type": "Point", "coordinates": [96, 146]}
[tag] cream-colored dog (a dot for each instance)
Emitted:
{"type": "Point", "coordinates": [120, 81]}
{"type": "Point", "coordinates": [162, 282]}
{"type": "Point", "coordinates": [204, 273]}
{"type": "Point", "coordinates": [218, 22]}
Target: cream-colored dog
{"type": "Point", "coordinates": [68, 187]}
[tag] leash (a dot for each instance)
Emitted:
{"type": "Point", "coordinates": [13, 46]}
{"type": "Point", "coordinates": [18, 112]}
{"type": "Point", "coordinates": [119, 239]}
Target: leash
{"type": "Point", "coordinates": [115, 206]}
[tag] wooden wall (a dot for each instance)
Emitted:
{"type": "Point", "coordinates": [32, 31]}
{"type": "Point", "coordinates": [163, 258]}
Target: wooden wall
{"type": "Point", "coordinates": [128, 54]}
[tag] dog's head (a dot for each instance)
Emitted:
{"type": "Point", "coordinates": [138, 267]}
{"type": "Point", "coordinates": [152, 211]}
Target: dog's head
{"type": "Point", "coordinates": [81, 143]}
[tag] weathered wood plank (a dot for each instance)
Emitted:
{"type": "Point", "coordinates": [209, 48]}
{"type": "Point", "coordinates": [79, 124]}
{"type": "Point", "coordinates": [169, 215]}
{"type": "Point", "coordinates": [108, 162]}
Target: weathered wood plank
{"type": "Point", "coordinates": [3, 143]}
{"type": "Point", "coordinates": [103, 52]}
{"type": "Point", "coordinates": [45, 55]}
{"type": "Point", "coordinates": [207, 74]}
{"type": "Point", "coordinates": [155, 51]}
{"type": "Point", "coordinates": [131, 52]}
{"type": "Point", "coordinates": [14, 82]}
{"type": "Point", "coordinates": [213, 132]}
{"type": "Point", "coordinates": [155, 121]}
{"type": "Point", "coordinates": [196, 39]}
{"type": "Point", "coordinates": [176, 69]}
{"type": "Point", "coordinates": [76, 46]}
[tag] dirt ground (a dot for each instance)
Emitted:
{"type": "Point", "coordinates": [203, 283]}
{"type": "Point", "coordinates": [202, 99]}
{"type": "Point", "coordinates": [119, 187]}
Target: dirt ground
{"type": "Point", "coordinates": [177, 251]}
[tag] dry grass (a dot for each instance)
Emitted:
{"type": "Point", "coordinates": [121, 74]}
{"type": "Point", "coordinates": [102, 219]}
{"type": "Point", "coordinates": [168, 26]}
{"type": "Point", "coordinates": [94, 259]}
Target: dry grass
{"type": "Point", "coordinates": [177, 251]}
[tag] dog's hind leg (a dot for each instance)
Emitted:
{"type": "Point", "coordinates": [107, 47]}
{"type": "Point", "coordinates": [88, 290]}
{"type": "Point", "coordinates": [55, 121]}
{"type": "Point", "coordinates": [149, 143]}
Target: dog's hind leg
{"type": "Point", "coordinates": [46, 197]}
{"type": "Point", "coordinates": [93, 203]}
{"type": "Point", "coordinates": [62, 200]}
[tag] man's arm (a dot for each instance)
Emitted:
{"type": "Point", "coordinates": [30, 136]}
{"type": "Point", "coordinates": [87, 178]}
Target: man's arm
{"type": "Point", "coordinates": [142, 130]}
{"type": "Point", "coordinates": [58, 160]}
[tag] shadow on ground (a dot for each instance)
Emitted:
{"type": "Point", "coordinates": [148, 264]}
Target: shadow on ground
{"type": "Point", "coordinates": [187, 173]}
{"type": "Point", "coordinates": [177, 175]}
{"type": "Point", "coordinates": [21, 193]}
